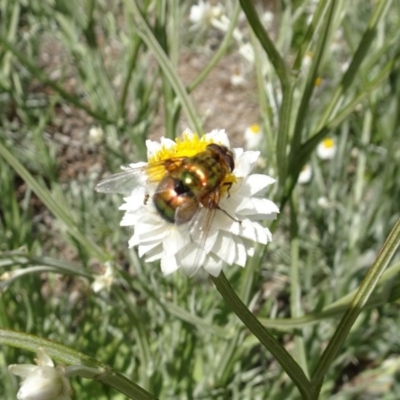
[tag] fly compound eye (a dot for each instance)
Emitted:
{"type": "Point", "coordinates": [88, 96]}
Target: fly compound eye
{"type": "Point", "coordinates": [228, 158]}
{"type": "Point", "coordinates": [222, 153]}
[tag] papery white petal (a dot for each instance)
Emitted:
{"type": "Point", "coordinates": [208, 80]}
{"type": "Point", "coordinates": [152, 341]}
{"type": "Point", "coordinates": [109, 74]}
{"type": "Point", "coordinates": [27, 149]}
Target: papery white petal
{"type": "Point", "coordinates": [255, 184]}
{"type": "Point", "coordinates": [174, 242]}
{"type": "Point", "coordinates": [245, 163]}
{"type": "Point", "coordinates": [213, 265]}
{"type": "Point", "coordinates": [262, 208]}
{"type": "Point", "coordinates": [152, 147]}
{"type": "Point", "coordinates": [241, 254]}
{"type": "Point", "coordinates": [218, 136]}
{"type": "Point", "coordinates": [188, 132]}
{"type": "Point", "coordinates": [155, 254]}
{"type": "Point", "coordinates": [167, 143]}
{"type": "Point", "coordinates": [225, 247]}
{"type": "Point", "coordinates": [135, 200]}
{"type": "Point", "coordinates": [144, 248]}
{"type": "Point", "coordinates": [43, 359]}
{"type": "Point", "coordinates": [191, 258]}
{"type": "Point", "coordinates": [168, 265]}
{"type": "Point", "coordinates": [22, 370]}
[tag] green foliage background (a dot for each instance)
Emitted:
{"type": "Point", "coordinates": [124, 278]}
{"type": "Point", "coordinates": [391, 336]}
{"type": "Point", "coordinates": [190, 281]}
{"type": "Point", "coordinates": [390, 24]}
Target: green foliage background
{"type": "Point", "coordinates": [175, 336]}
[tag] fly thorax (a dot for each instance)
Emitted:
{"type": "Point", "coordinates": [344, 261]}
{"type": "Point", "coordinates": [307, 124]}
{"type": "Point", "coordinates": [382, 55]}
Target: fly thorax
{"type": "Point", "coordinates": [191, 179]}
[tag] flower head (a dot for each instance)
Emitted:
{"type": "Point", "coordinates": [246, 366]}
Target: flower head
{"type": "Point", "coordinates": [246, 50]}
{"type": "Point", "coordinates": [105, 280]}
{"type": "Point", "coordinates": [305, 174]}
{"type": "Point", "coordinates": [43, 381]}
{"type": "Point", "coordinates": [204, 14]}
{"type": "Point", "coordinates": [253, 136]}
{"type": "Point", "coordinates": [224, 225]}
{"type": "Point", "coordinates": [326, 150]}
{"type": "Point", "coordinates": [96, 135]}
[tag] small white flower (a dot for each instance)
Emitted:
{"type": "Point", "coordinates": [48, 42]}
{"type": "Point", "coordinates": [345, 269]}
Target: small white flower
{"type": "Point", "coordinates": [232, 232]}
{"type": "Point", "coordinates": [246, 50]}
{"type": "Point", "coordinates": [237, 78]}
{"type": "Point", "coordinates": [326, 150]}
{"type": "Point", "coordinates": [305, 175]}
{"type": "Point", "coordinates": [267, 18]}
{"type": "Point", "coordinates": [307, 60]}
{"type": "Point", "coordinates": [43, 381]}
{"type": "Point", "coordinates": [253, 136]}
{"type": "Point", "coordinates": [96, 135]}
{"type": "Point", "coordinates": [105, 280]}
{"type": "Point", "coordinates": [204, 14]}
{"type": "Point", "coordinates": [323, 202]}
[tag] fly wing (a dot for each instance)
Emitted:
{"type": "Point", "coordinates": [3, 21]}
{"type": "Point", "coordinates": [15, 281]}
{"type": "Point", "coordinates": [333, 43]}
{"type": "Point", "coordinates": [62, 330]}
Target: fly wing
{"type": "Point", "coordinates": [200, 230]}
{"type": "Point", "coordinates": [124, 182]}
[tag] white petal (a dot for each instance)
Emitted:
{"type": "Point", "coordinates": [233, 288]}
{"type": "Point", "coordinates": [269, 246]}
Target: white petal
{"type": "Point", "coordinates": [255, 184]}
{"type": "Point", "coordinates": [213, 265]}
{"type": "Point", "coordinates": [145, 248]}
{"type": "Point", "coordinates": [241, 253]}
{"type": "Point", "coordinates": [225, 247]}
{"type": "Point", "coordinates": [135, 200]}
{"type": "Point", "coordinates": [154, 254]}
{"type": "Point", "coordinates": [191, 258]}
{"type": "Point", "coordinates": [168, 265]}
{"type": "Point", "coordinates": [245, 163]}
{"type": "Point", "coordinates": [43, 358]}
{"type": "Point", "coordinates": [261, 208]}
{"type": "Point", "coordinates": [129, 219]}
{"type": "Point", "coordinates": [173, 242]}
{"type": "Point", "coordinates": [253, 231]}
{"type": "Point", "coordinates": [188, 132]}
{"type": "Point", "coordinates": [167, 143]}
{"type": "Point", "coordinates": [22, 370]}
{"type": "Point", "coordinates": [218, 136]}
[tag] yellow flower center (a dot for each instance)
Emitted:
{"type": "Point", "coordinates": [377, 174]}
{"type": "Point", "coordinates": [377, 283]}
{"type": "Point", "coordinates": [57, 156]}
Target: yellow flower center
{"type": "Point", "coordinates": [187, 146]}
{"type": "Point", "coordinates": [328, 143]}
{"type": "Point", "coordinates": [255, 128]}
{"type": "Point", "coordinates": [318, 81]}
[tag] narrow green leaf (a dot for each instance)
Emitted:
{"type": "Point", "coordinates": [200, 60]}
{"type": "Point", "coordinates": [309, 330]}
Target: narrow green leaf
{"type": "Point", "coordinates": [358, 303]}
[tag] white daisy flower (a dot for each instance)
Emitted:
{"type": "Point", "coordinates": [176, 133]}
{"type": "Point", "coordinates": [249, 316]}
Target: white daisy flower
{"type": "Point", "coordinates": [326, 149]}
{"type": "Point", "coordinates": [323, 202]}
{"type": "Point", "coordinates": [246, 50]}
{"type": "Point", "coordinates": [238, 78]}
{"type": "Point", "coordinates": [253, 137]}
{"type": "Point", "coordinates": [96, 135]}
{"type": "Point", "coordinates": [43, 381]}
{"type": "Point", "coordinates": [186, 226]}
{"type": "Point", "coordinates": [105, 280]}
{"type": "Point", "coordinates": [204, 14]}
{"type": "Point", "coordinates": [305, 175]}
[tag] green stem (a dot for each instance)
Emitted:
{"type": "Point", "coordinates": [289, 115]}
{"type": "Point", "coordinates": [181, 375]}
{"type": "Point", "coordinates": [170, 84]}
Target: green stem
{"type": "Point", "coordinates": [359, 301]}
{"type": "Point", "coordinates": [287, 362]}
{"type": "Point", "coordinates": [358, 58]}
{"type": "Point", "coordinates": [68, 356]}
{"type": "Point", "coordinates": [322, 44]}
{"type": "Point", "coordinates": [220, 52]}
{"type": "Point", "coordinates": [287, 85]}
{"type": "Point", "coordinates": [168, 68]}
{"type": "Point", "coordinates": [295, 288]}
